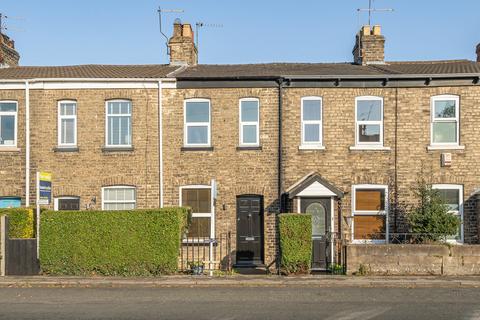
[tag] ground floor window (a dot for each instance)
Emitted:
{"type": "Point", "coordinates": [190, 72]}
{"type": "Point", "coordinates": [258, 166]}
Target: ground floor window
{"type": "Point", "coordinates": [199, 198]}
{"type": "Point", "coordinates": [369, 212]}
{"type": "Point", "coordinates": [66, 203]}
{"type": "Point", "coordinates": [119, 198]}
{"type": "Point", "coordinates": [10, 202]}
{"type": "Point", "coordinates": [452, 195]}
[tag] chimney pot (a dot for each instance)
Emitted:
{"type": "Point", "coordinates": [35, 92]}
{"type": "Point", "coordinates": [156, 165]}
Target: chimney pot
{"type": "Point", "coordinates": [377, 30]}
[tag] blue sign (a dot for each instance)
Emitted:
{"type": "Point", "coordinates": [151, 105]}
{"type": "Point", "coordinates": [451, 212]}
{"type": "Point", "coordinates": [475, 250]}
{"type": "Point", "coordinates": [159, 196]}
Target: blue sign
{"type": "Point", "coordinates": [45, 188]}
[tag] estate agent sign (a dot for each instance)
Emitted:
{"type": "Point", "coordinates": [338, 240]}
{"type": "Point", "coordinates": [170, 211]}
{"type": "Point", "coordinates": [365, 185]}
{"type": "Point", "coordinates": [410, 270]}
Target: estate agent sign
{"type": "Point", "coordinates": [45, 188]}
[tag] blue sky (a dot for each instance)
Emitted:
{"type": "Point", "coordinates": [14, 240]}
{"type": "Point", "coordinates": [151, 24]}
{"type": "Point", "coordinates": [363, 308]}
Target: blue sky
{"type": "Point", "coordinates": [65, 32]}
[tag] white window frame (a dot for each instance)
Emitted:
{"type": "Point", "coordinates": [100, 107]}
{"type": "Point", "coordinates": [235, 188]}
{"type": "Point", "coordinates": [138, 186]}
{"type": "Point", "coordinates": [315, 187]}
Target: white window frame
{"type": "Point", "coordinates": [249, 123]}
{"type": "Point", "coordinates": [438, 120]}
{"type": "Point", "coordinates": [66, 117]}
{"type": "Point", "coordinates": [458, 187]}
{"type": "Point", "coordinates": [311, 144]}
{"type": "Point", "coordinates": [356, 212]}
{"type": "Point", "coordinates": [56, 199]}
{"type": "Point", "coordinates": [107, 116]}
{"type": "Point", "coordinates": [368, 122]}
{"type": "Point", "coordinates": [15, 114]}
{"type": "Point", "coordinates": [210, 214]}
{"type": "Point", "coordinates": [119, 187]}
{"type": "Point", "coordinates": [186, 124]}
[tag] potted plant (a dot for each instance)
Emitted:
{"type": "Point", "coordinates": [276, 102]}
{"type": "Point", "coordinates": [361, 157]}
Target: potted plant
{"type": "Point", "coordinates": [197, 268]}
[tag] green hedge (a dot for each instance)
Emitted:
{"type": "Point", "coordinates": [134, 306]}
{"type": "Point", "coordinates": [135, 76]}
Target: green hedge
{"type": "Point", "coordinates": [20, 222]}
{"type": "Point", "coordinates": [111, 243]}
{"type": "Point", "coordinates": [295, 242]}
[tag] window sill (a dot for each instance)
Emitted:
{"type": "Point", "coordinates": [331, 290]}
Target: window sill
{"type": "Point", "coordinates": [9, 149]}
{"type": "Point", "coordinates": [312, 147]}
{"type": "Point", "coordinates": [196, 149]}
{"type": "Point", "coordinates": [246, 148]}
{"type": "Point", "coordinates": [444, 147]}
{"type": "Point", "coordinates": [117, 149]}
{"type": "Point", "coordinates": [65, 149]}
{"type": "Point", "coordinates": [369, 148]}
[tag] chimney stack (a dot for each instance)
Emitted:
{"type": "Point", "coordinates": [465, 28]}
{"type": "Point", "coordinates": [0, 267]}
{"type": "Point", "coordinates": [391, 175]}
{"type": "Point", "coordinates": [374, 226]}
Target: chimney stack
{"type": "Point", "coordinates": [182, 46]}
{"type": "Point", "coordinates": [478, 52]}
{"type": "Point", "coordinates": [9, 57]}
{"type": "Point", "coordinates": [369, 46]}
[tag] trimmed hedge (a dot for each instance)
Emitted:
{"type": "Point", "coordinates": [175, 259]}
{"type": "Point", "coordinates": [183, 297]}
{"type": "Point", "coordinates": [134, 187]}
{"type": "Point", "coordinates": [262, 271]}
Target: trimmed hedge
{"type": "Point", "coordinates": [112, 243]}
{"type": "Point", "coordinates": [295, 242]}
{"type": "Point", "coordinates": [20, 222]}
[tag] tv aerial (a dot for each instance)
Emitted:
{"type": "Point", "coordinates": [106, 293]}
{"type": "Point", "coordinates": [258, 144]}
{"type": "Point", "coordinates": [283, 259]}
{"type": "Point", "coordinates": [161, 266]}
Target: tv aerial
{"type": "Point", "coordinates": [371, 9]}
{"type": "Point", "coordinates": [200, 25]}
{"type": "Point", "coordinates": [160, 11]}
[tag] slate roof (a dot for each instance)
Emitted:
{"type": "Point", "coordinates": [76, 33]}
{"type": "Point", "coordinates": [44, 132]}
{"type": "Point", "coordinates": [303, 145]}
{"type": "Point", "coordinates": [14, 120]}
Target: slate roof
{"type": "Point", "coordinates": [415, 68]}
{"type": "Point", "coordinates": [88, 71]}
{"type": "Point", "coordinates": [240, 71]}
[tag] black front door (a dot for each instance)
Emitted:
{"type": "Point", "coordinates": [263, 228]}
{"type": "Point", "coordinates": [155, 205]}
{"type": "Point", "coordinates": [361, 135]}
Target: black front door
{"type": "Point", "coordinates": [320, 209]}
{"type": "Point", "coordinates": [249, 230]}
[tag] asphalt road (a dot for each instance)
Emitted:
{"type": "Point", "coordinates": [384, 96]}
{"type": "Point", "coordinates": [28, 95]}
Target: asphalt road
{"type": "Point", "coordinates": [239, 303]}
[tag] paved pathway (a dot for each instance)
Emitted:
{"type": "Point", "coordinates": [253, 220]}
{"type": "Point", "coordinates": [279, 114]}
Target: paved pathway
{"type": "Point", "coordinates": [243, 281]}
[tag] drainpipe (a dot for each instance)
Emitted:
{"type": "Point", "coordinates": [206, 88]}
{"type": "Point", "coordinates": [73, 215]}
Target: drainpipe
{"type": "Point", "coordinates": [160, 138]}
{"type": "Point", "coordinates": [27, 144]}
{"type": "Point", "coordinates": [395, 209]}
{"type": "Point", "coordinates": [280, 82]}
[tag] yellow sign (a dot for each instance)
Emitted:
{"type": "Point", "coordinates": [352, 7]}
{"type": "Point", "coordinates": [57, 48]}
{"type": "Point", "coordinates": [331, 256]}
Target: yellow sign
{"type": "Point", "coordinates": [45, 176]}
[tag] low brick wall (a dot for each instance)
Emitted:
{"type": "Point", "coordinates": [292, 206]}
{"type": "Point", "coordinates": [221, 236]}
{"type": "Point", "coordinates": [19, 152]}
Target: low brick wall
{"type": "Point", "coordinates": [413, 259]}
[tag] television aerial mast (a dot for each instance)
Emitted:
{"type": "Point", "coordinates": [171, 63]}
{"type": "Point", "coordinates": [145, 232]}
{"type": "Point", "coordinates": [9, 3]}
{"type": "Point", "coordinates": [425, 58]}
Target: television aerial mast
{"type": "Point", "coordinates": [160, 11]}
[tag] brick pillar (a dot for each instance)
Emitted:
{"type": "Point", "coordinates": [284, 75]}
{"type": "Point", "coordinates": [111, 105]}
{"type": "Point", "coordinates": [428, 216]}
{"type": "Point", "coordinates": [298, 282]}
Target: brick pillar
{"type": "Point", "coordinates": [182, 46]}
{"type": "Point", "coordinates": [478, 52]}
{"type": "Point", "coordinates": [477, 213]}
{"type": "Point", "coordinates": [369, 46]}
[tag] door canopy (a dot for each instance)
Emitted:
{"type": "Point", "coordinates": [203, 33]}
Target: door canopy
{"type": "Point", "coordinates": [313, 185]}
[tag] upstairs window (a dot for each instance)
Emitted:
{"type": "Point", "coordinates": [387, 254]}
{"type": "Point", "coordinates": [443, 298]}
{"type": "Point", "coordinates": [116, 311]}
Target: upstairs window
{"type": "Point", "coordinates": [119, 198]}
{"type": "Point", "coordinates": [249, 122]}
{"type": "Point", "coordinates": [444, 120]}
{"type": "Point", "coordinates": [8, 124]}
{"type": "Point", "coordinates": [197, 123]}
{"type": "Point", "coordinates": [67, 123]}
{"type": "Point", "coordinates": [312, 131]}
{"type": "Point", "coordinates": [119, 123]}
{"type": "Point", "coordinates": [369, 121]}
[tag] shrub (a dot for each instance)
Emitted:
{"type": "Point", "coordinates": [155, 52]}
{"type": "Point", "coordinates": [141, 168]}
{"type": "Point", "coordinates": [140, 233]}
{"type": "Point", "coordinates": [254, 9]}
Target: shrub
{"type": "Point", "coordinates": [430, 217]}
{"type": "Point", "coordinates": [20, 222]}
{"type": "Point", "coordinates": [111, 243]}
{"type": "Point", "coordinates": [295, 242]}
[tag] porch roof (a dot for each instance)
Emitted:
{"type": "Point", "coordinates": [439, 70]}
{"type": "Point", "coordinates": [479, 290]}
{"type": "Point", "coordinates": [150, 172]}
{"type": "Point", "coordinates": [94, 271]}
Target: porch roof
{"type": "Point", "coordinates": [310, 179]}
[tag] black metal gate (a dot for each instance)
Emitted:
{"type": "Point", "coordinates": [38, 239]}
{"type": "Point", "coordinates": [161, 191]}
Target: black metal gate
{"type": "Point", "coordinates": [20, 255]}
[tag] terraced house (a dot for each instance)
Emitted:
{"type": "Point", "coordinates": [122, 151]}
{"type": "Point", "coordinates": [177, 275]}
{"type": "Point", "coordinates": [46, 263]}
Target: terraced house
{"type": "Point", "coordinates": [345, 142]}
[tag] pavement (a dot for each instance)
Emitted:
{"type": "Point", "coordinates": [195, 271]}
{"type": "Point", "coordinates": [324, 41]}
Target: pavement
{"type": "Point", "coordinates": [244, 281]}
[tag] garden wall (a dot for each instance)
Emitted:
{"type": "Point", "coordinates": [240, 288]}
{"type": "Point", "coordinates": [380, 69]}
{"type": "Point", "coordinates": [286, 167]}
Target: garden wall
{"type": "Point", "coordinates": [413, 259]}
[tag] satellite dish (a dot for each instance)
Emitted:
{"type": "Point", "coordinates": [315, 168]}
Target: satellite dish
{"type": "Point", "coordinates": [177, 21]}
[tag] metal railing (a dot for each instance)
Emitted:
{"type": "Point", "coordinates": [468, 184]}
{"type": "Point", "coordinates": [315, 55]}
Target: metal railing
{"type": "Point", "coordinates": [199, 255]}
{"type": "Point", "coordinates": [403, 238]}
